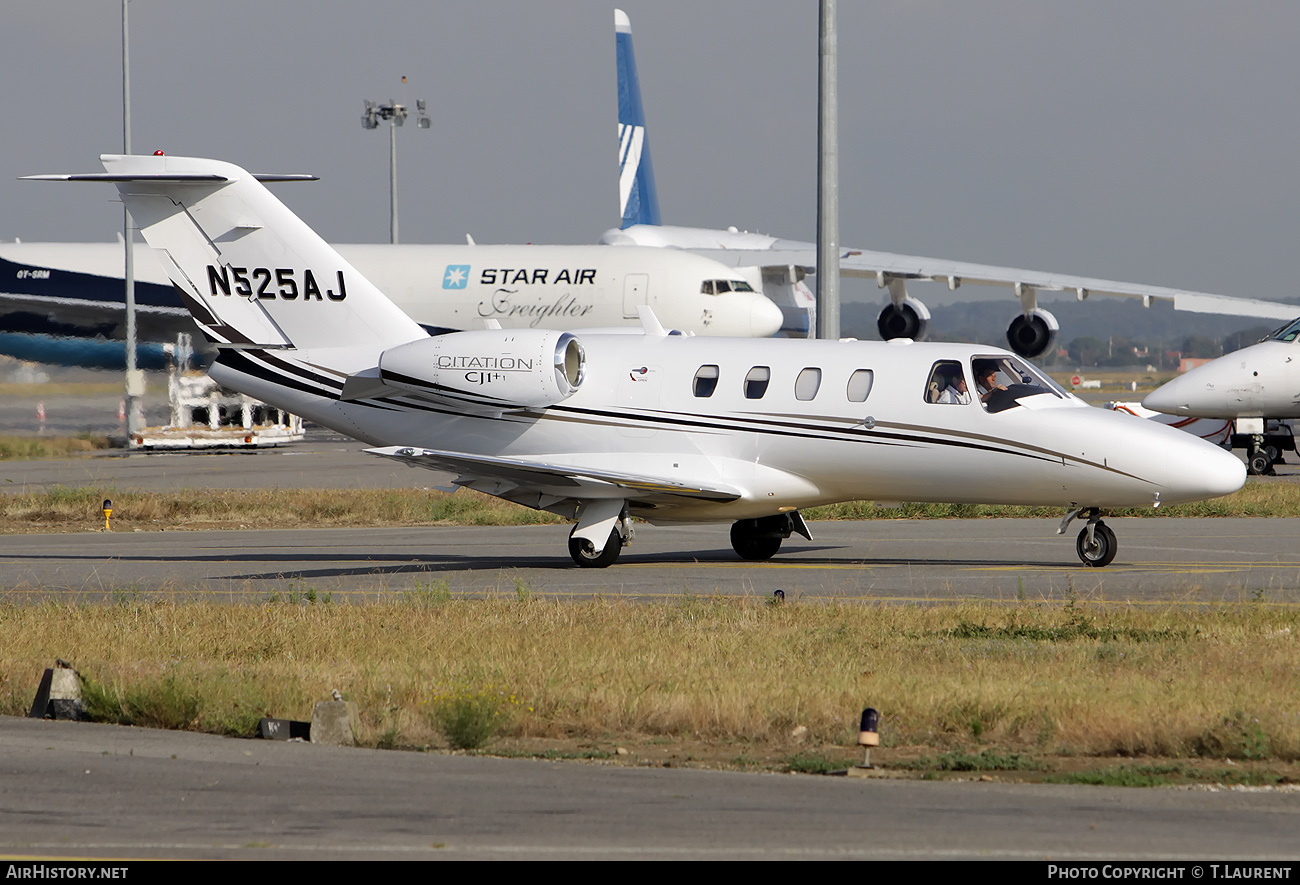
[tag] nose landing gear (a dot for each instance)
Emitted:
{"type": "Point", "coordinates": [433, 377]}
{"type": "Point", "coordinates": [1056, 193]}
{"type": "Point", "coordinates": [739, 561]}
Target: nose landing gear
{"type": "Point", "coordinates": [1096, 544]}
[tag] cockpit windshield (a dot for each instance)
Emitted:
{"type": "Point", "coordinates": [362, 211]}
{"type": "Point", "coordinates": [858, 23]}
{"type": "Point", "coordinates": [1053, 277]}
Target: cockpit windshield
{"type": "Point", "coordinates": [722, 287]}
{"type": "Point", "coordinates": [1003, 381]}
{"type": "Point", "coordinates": [1288, 332]}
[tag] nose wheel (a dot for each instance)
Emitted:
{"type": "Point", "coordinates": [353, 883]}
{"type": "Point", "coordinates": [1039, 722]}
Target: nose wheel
{"type": "Point", "coordinates": [1096, 544]}
{"type": "Point", "coordinates": [1099, 550]}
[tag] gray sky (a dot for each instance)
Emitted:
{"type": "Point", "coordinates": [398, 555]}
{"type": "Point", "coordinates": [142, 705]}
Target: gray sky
{"type": "Point", "coordinates": [1147, 141]}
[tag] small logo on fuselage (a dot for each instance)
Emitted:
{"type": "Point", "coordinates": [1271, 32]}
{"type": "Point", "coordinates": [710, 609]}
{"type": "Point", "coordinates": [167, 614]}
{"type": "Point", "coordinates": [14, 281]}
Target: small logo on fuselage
{"type": "Point", "coordinates": [456, 277]}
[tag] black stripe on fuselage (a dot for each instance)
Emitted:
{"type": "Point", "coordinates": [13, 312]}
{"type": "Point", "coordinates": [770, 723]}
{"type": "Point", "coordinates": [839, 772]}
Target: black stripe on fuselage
{"type": "Point", "coordinates": [921, 436]}
{"type": "Point", "coordinates": [446, 392]}
{"type": "Point", "coordinates": [918, 436]}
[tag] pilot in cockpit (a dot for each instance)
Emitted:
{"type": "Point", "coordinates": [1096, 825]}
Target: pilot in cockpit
{"type": "Point", "coordinates": [986, 379]}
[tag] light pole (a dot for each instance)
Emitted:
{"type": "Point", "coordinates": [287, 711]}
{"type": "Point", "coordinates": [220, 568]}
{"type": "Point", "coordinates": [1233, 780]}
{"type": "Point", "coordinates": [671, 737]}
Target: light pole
{"type": "Point", "coordinates": [395, 115]}
{"type": "Point", "coordinates": [134, 377]}
{"type": "Point", "coordinates": [828, 176]}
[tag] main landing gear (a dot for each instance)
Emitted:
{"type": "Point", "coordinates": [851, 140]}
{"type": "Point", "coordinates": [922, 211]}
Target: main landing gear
{"type": "Point", "coordinates": [584, 553]}
{"type": "Point", "coordinates": [596, 518]}
{"type": "Point", "coordinates": [1096, 544]}
{"type": "Point", "coordinates": [759, 539]}
{"type": "Point", "coordinates": [1260, 457]}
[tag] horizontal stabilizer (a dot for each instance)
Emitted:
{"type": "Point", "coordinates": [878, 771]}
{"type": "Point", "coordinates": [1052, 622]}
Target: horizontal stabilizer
{"type": "Point", "coordinates": [169, 176]}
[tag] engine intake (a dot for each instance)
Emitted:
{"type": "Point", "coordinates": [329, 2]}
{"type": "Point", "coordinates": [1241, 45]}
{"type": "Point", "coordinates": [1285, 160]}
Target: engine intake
{"type": "Point", "coordinates": [1031, 335]}
{"type": "Point", "coordinates": [910, 319]}
{"type": "Point", "coordinates": [508, 368]}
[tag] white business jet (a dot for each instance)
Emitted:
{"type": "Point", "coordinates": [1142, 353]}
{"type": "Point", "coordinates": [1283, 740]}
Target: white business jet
{"type": "Point", "coordinates": [1249, 385]}
{"type": "Point", "coordinates": [605, 427]}
{"type": "Point", "coordinates": [778, 266]}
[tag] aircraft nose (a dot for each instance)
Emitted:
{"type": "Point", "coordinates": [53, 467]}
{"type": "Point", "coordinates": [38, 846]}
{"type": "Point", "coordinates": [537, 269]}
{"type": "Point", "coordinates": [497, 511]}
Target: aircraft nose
{"type": "Point", "coordinates": [765, 318]}
{"type": "Point", "coordinates": [1174, 397]}
{"type": "Point", "coordinates": [1202, 470]}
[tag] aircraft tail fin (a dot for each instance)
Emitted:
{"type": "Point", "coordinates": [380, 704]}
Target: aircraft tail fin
{"type": "Point", "coordinates": [252, 273]}
{"type": "Point", "coordinates": [638, 201]}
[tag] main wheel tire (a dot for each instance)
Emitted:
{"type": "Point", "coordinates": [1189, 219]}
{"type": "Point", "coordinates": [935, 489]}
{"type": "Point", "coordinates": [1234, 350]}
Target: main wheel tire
{"type": "Point", "coordinates": [752, 544]}
{"type": "Point", "coordinates": [583, 552]}
{"type": "Point", "coordinates": [1260, 463]}
{"type": "Point", "coordinates": [1103, 548]}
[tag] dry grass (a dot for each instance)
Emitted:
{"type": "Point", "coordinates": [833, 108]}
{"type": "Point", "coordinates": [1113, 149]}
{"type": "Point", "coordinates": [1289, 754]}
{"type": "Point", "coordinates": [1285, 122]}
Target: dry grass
{"type": "Point", "coordinates": [60, 509]}
{"type": "Point", "coordinates": [1259, 497]}
{"type": "Point", "coordinates": [28, 448]}
{"type": "Point", "coordinates": [1090, 681]}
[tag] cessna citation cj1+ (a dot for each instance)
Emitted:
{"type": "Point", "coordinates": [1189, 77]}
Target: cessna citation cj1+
{"type": "Point", "coordinates": [604, 427]}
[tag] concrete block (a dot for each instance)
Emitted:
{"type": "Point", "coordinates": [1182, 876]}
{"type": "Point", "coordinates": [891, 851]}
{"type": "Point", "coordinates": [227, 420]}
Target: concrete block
{"type": "Point", "coordinates": [58, 696]}
{"type": "Point", "coordinates": [334, 722]}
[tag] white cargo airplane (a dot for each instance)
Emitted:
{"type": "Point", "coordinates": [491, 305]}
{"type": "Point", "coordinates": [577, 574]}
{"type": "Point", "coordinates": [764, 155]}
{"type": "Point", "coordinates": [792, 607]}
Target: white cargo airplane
{"type": "Point", "coordinates": [779, 266]}
{"type": "Point", "coordinates": [604, 427]}
{"type": "Point", "coordinates": [1249, 385]}
{"type": "Point", "coordinates": [77, 288]}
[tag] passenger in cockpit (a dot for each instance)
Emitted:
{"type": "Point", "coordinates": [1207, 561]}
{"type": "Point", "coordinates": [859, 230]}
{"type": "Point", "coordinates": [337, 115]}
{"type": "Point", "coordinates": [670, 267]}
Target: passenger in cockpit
{"type": "Point", "coordinates": [955, 392]}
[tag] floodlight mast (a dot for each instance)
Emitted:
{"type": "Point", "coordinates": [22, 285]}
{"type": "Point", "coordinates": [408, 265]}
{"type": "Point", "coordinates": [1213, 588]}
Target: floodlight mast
{"type": "Point", "coordinates": [395, 115]}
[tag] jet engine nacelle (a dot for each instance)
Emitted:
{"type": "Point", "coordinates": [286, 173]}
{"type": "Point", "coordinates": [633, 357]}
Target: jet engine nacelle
{"type": "Point", "coordinates": [1031, 335]}
{"type": "Point", "coordinates": [910, 319]}
{"type": "Point", "coordinates": [510, 368]}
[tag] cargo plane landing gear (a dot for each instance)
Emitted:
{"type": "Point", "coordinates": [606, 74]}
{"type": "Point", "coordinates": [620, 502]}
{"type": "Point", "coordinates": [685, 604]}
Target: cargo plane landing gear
{"type": "Point", "coordinates": [759, 539]}
{"type": "Point", "coordinates": [1096, 544]}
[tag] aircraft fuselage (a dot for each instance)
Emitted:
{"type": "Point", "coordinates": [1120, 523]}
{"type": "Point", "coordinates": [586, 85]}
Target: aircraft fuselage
{"type": "Point", "coordinates": [1260, 381]}
{"type": "Point", "coordinates": [641, 408]}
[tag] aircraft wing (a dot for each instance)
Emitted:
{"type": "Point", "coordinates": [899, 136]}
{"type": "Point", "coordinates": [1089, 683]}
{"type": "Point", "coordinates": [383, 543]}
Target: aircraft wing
{"type": "Point", "coordinates": [560, 480]}
{"type": "Point", "coordinates": [888, 265]}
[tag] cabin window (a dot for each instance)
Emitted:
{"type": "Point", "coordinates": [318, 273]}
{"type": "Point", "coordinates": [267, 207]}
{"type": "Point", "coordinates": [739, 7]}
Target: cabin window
{"type": "Point", "coordinates": [860, 385]}
{"type": "Point", "coordinates": [947, 384]}
{"type": "Point", "coordinates": [706, 380]}
{"type": "Point", "coordinates": [807, 384]}
{"type": "Point", "coordinates": [756, 382]}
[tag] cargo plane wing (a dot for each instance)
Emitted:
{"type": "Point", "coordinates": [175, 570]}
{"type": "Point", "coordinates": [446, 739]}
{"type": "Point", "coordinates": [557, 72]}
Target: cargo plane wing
{"type": "Point", "coordinates": [779, 266]}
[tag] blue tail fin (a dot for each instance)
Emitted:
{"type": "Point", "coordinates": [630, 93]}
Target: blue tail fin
{"type": "Point", "coordinates": [636, 178]}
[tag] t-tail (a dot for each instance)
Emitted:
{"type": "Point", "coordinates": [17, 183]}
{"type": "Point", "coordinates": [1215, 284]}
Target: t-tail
{"type": "Point", "coordinates": [638, 201]}
{"type": "Point", "coordinates": [255, 277]}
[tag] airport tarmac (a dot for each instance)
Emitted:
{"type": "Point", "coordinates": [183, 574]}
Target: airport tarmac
{"type": "Point", "coordinates": [77, 790]}
{"type": "Point", "coordinates": [1160, 561]}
